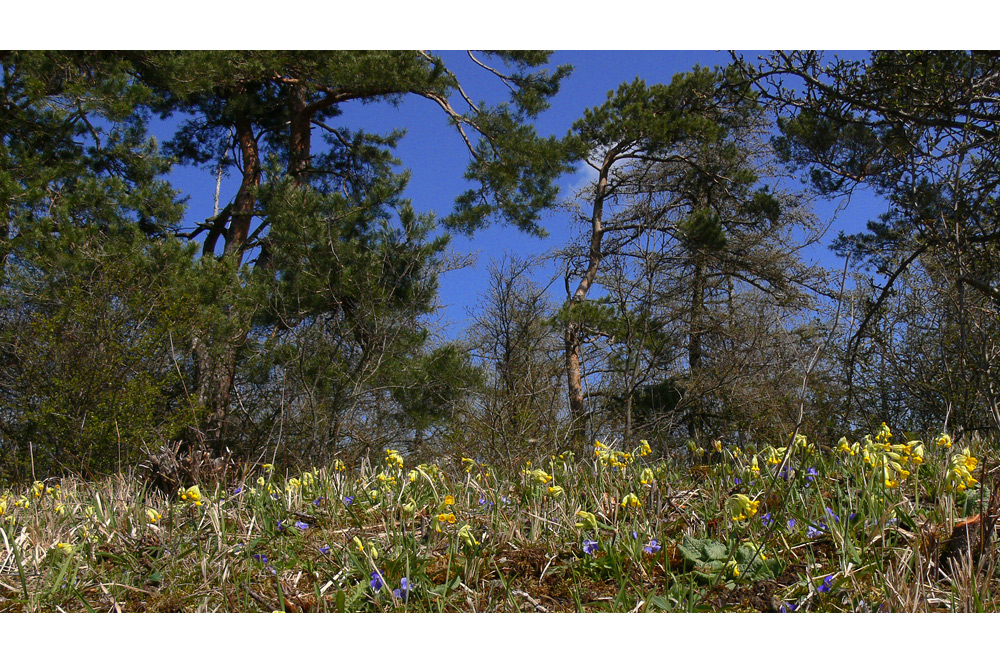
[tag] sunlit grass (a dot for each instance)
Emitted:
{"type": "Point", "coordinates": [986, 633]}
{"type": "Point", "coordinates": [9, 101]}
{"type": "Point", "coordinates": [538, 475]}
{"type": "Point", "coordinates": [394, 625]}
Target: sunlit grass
{"type": "Point", "coordinates": [862, 525]}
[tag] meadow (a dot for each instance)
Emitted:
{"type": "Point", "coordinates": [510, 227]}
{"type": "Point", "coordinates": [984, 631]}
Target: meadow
{"type": "Point", "coordinates": [886, 523]}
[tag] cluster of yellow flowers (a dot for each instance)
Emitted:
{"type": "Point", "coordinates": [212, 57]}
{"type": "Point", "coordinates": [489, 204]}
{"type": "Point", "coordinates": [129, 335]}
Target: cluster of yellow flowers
{"type": "Point", "coordinates": [630, 501]}
{"type": "Point", "coordinates": [430, 472]}
{"type": "Point", "coordinates": [894, 459]}
{"type": "Point", "coordinates": [617, 459]}
{"type": "Point", "coordinates": [587, 520]}
{"type": "Point", "coordinates": [960, 468]}
{"type": "Point", "coordinates": [192, 495]}
{"type": "Point", "coordinates": [466, 537]}
{"type": "Point", "coordinates": [646, 477]}
{"type": "Point", "coordinates": [446, 517]}
{"type": "Point", "coordinates": [541, 477]}
{"type": "Point", "coordinates": [741, 507]}
{"type": "Point", "coordinates": [802, 444]}
{"type": "Point", "coordinates": [774, 456]}
{"type": "Point", "coordinates": [393, 457]}
{"type": "Point", "coordinates": [538, 475]}
{"type": "Point", "coordinates": [470, 464]}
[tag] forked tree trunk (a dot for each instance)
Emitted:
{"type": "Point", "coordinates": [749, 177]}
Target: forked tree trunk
{"type": "Point", "coordinates": [216, 365]}
{"type": "Point", "coordinates": [573, 336]}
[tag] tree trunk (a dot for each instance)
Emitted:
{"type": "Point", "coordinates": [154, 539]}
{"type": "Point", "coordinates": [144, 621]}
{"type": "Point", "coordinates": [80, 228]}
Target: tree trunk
{"type": "Point", "coordinates": [694, 342]}
{"type": "Point", "coordinates": [575, 383]}
{"type": "Point", "coordinates": [572, 336]}
{"type": "Point", "coordinates": [216, 366]}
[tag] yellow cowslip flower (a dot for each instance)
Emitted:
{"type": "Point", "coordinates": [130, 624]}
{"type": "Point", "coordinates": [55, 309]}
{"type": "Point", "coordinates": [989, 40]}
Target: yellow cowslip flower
{"type": "Point", "coordinates": [38, 488]}
{"type": "Point", "coordinates": [960, 468]}
{"type": "Point", "coordinates": [361, 546]}
{"type": "Point", "coordinates": [843, 446]}
{"type": "Point", "coordinates": [65, 547]}
{"type": "Point", "coordinates": [741, 507]}
{"type": "Point", "coordinates": [717, 445]}
{"type": "Point", "coordinates": [619, 459]}
{"type": "Point", "coordinates": [3, 505]}
{"type": "Point", "coordinates": [153, 515]}
{"type": "Point", "coordinates": [22, 502]}
{"type": "Point", "coordinates": [60, 509]}
{"type": "Point", "coordinates": [774, 456]}
{"type": "Point", "coordinates": [386, 479]}
{"type": "Point", "coordinates": [261, 481]}
{"type": "Point", "coordinates": [192, 494]}
{"type": "Point", "coordinates": [308, 479]}
{"type": "Point", "coordinates": [449, 500]}
{"type": "Point", "coordinates": [539, 476]}
{"type": "Point", "coordinates": [465, 535]}
{"type": "Point", "coordinates": [554, 491]}
{"type": "Point", "coordinates": [409, 508]}
{"type": "Point", "coordinates": [754, 467]}
{"type": "Point", "coordinates": [293, 485]}
{"type": "Point", "coordinates": [373, 495]}
{"type": "Point", "coordinates": [883, 434]}
{"type": "Point", "coordinates": [446, 518]}
{"type": "Point", "coordinates": [338, 466]}
{"type": "Point", "coordinates": [268, 467]}
{"type": "Point", "coordinates": [732, 569]}
{"type": "Point", "coordinates": [944, 440]}
{"type": "Point", "coordinates": [393, 457]}
{"type": "Point", "coordinates": [413, 475]}
{"type": "Point", "coordinates": [646, 477]}
{"type": "Point", "coordinates": [644, 448]}
{"type": "Point", "coordinates": [587, 520]}
{"type": "Point", "coordinates": [630, 501]}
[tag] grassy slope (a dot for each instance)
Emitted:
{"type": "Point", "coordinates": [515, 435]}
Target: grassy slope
{"type": "Point", "coordinates": [825, 534]}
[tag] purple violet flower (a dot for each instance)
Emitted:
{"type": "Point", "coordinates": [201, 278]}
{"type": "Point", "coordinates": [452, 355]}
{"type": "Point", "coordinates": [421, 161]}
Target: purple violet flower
{"type": "Point", "coordinates": [589, 547]}
{"type": "Point", "coordinates": [404, 589]}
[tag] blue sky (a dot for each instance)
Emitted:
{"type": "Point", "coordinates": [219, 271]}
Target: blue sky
{"type": "Point", "coordinates": [436, 158]}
